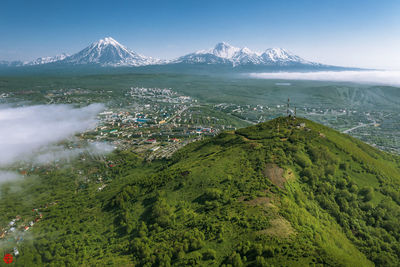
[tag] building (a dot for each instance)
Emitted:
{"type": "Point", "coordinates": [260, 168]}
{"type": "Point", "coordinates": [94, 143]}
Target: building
{"type": "Point", "coordinates": [16, 252]}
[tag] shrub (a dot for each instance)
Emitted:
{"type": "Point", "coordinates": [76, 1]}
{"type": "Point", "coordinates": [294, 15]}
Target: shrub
{"type": "Point", "coordinates": [162, 213]}
{"type": "Point", "coordinates": [302, 160]}
{"type": "Point", "coordinates": [213, 194]}
{"type": "Point", "coordinates": [367, 193]}
{"type": "Point", "coordinates": [235, 260]}
{"type": "Point", "coordinates": [209, 254]}
{"type": "Point", "coordinates": [260, 261]}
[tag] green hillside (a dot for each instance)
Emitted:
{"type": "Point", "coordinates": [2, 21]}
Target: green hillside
{"type": "Point", "coordinates": [281, 193]}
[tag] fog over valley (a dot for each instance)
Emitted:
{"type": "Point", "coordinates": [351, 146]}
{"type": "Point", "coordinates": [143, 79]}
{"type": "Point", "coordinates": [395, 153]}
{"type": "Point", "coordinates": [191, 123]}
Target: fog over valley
{"type": "Point", "coordinates": [365, 77]}
{"type": "Point", "coordinates": [31, 133]}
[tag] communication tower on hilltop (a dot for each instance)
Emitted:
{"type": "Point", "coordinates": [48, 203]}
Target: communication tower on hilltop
{"type": "Point", "coordinates": [289, 112]}
{"type": "Point", "coordinates": [287, 107]}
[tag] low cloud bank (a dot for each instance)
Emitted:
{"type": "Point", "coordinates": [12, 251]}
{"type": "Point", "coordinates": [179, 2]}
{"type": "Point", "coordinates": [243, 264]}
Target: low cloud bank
{"type": "Point", "coordinates": [31, 133]}
{"type": "Point", "coordinates": [52, 154]}
{"type": "Point", "coordinates": [366, 77]}
{"type": "Point", "coordinates": [6, 176]}
{"type": "Point", "coordinates": [24, 130]}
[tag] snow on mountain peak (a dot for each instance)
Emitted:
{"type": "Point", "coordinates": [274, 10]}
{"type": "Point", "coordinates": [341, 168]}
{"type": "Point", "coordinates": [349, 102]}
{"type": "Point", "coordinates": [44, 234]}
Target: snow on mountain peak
{"type": "Point", "coordinates": [108, 52]}
{"type": "Point", "coordinates": [246, 50]}
{"type": "Point", "coordinates": [104, 52]}
{"type": "Point", "coordinates": [107, 41]}
{"type": "Point", "coordinates": [282, 56]}
{"type": "Point", "coordinates": [277, 53]}
{"type": "Point", "coordinates": [224, 50]}
{"type": "Point", "coordinates": [45, 60]}
{"type": "Point", "coordinates": [224, 53]}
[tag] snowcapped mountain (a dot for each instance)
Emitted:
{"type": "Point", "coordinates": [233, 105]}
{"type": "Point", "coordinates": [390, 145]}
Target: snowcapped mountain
{"type": "Point", "coordinates": [282, 56]}
{"type": "Point", "coordinates": [105, 52]}
{"type": "Point", "coordinates": [45, 60]}
{"type": "Point", "coordinates": [224, 53]}
{"type": "Point", "coordinates": [108, 52]}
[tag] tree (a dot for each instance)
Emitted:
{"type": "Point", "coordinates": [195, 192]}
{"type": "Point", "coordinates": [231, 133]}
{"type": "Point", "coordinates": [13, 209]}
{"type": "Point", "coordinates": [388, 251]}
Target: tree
{"type": "Point", "coordinates": [162, 213]}
{"type": "Point", "coordinates": [368, 193]}
{"type": "Point", "coordinates": [209, 254]}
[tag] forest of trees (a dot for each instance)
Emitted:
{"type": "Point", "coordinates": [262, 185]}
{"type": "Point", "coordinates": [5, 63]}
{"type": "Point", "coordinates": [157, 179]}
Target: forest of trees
{"type": "Point", "coordinates": [256, 197]}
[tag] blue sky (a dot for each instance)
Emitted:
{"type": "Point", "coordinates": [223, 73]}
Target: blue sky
{"type": "Point", "coordinates": [359, 33]}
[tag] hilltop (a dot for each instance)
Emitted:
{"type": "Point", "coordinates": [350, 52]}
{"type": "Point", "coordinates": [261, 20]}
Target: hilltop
{"type": "Point", "coordinates": [285, 193]}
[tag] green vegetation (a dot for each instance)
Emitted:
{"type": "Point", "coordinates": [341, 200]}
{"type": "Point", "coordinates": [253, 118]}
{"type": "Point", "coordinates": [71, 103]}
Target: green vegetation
{"type": "Point", "coordinates": [341, 106]}
{"type": "Point", "coordinates": [273, 194]}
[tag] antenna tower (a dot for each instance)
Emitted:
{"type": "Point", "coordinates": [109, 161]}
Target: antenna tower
{"type": "Point", "coordinates": [287, 107]}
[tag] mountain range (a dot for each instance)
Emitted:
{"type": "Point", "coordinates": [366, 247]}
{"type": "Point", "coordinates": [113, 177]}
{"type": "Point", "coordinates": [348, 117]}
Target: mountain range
{"type": "Point", "coordinates": [108, 52]}
{"type": "Point", "coordinates": [224, 53]}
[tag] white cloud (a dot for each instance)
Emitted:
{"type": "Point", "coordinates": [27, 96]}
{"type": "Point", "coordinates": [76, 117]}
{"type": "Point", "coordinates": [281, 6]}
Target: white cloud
{"type": "Point", "coordinates": [6, 176]}
{"type": "Point", "coordinates": [98, 148]}
{"type": "Point", "coordinates": [56, 153]}
{"type": "Point", "coordinates": [26, 130]}
{"type": "Point", "coordinates": [367, 77]}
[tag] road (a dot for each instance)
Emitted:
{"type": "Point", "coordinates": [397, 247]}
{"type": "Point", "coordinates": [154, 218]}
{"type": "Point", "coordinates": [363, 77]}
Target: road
{"type": "Point", "coordinates": [179, 112]}
{"type": "Point", "coordinates": [359, 126]}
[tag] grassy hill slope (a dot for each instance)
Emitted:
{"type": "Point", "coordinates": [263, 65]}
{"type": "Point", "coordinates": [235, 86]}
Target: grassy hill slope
{"type": "Point", "coordinates": [284, 193]}
{"type": "Point", "coordinates": [276, 193]}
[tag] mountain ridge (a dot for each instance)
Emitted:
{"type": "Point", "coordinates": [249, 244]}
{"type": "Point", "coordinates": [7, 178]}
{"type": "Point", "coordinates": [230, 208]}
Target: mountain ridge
{"type": "Point", "coordinates": [46, 60]}
{"type": "Point", "coordinates": [227, 54]}
{"type": "Point", "coordinates": [108, 52]}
